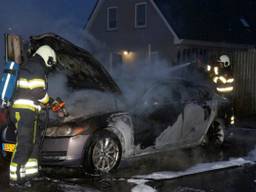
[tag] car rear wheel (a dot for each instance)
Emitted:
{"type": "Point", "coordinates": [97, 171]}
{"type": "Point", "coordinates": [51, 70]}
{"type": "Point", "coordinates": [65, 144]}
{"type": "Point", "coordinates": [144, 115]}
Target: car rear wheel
{"type": "Point", "coordinates": [215, 135]}
{"type": "Point", "coordinates": [103, 153]}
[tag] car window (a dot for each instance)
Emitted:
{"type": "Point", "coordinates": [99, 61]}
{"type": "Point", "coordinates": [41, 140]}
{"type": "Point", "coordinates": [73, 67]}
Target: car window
{"type": "Point", "coordinates": [162, 94]}
{"type": "Point", "coordinates": [191, 92]}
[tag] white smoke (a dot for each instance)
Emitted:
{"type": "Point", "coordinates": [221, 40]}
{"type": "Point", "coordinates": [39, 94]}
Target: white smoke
{"type": "Point", "coordinates": [84, 102]}
{"type": "Point", "coordinates": [135, 84]}
{"type": "Point", "coordinates": [137, 81]}
{"type": "Point", "coordinates": [252, 155]}
{"type": "Point", "coordinates": [145, 78]}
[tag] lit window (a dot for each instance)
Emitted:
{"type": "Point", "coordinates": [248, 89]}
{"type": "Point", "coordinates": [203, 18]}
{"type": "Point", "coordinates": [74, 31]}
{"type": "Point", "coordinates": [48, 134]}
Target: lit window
{"type": "Point", "coordinates": [112, 18]}
{"type": "Point", "coordinates": [140, 15]}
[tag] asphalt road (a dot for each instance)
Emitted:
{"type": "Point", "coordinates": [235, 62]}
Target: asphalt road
{"type": "Point", "coordinates": [236, 179]}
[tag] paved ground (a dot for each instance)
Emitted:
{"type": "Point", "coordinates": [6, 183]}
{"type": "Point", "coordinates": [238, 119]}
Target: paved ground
{"type": "Point", "coordinates": [239, 143]}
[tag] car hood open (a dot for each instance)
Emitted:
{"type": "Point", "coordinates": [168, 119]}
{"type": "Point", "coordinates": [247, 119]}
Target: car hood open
{"type": "Point", "coordinates": [82, 69]}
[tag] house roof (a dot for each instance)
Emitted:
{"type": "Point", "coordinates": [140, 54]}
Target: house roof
{"type": "Point", "coordinates": [91, 14]}
{"type": "Point", "coordinates": [230, 21]}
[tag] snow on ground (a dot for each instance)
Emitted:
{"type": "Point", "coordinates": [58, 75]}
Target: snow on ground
{"type": "Point", "coordinates": [141, 186]}
{"type": "Point", "coordinates": [141, 180]}
{"type": "Point", "coordinates": [204, 167]}
{"type": "Point", "coordinates": [75, 188]}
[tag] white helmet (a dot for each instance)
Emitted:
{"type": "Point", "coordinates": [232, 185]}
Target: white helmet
{"type": "Point", "coordinates": [225, 60]}
{"type": "Point", "coordinates": [47, 54]}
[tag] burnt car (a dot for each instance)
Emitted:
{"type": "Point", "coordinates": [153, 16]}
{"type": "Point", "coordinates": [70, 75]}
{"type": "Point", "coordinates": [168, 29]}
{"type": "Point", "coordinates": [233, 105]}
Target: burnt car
{"type": "Point", "coordinates": [176, 114]}
{"type": "Point", "coordinates": [101, 133]}
{"type": "Point", "coordinates": [170, 115]}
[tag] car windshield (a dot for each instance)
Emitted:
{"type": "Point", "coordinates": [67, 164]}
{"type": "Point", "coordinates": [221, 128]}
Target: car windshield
{"type": "Point", "coordinates": [162, 94]}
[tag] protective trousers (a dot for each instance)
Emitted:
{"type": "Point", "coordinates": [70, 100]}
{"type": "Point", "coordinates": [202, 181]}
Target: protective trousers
{"type": "Point", "coordinates": [24, 163]}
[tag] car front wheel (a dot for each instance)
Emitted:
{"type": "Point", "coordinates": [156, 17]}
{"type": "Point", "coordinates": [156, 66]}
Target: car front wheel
{"type": "Point", "coordinates": [103, 153]}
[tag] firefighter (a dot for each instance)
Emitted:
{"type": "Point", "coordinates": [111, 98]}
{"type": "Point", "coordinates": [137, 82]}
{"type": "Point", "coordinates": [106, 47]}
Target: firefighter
{"type": "Point", "coordinates": [30, 98]}
{"type": "Point", "coordinates": [224, 81]}
{"type": "Point", "coordinates": [223, 77]}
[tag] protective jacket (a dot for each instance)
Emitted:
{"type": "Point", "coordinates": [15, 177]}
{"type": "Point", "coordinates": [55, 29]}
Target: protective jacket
{"type": "Point", "coordinates": [31, 95]}
{"type": "Point", "coordinates": [32, 85]}
{"type": "Point", "coordinates": [224, 81]}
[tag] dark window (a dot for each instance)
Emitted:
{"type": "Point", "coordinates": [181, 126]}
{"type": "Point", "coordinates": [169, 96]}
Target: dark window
{"type": "Point", "coordinates": [112, 18]}
{"type": "Point", "coordinates": [140, 15]}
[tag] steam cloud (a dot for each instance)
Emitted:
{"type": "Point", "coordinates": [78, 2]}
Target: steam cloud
{"type": "Point", "coordinates": [145, 78]}
{"type": "Point", "coordinates": [83, 103]}
{"type": "Point", "coordinates": [134, 84]}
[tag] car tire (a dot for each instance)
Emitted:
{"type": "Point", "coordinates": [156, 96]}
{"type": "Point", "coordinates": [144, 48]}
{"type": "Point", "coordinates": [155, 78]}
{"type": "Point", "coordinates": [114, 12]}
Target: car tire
{"type": "Point", "coordinates": [103, 153]}
{"type": "Point", "coordinates": [215, 135]}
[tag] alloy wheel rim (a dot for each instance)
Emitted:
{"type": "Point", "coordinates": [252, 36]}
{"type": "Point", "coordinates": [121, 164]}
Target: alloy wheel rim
{"type": "Point", "coordinates": [105, 154]}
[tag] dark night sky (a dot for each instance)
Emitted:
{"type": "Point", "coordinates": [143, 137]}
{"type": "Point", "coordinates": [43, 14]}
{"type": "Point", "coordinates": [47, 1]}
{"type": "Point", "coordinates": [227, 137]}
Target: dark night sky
{"type": "Point", "coordinates": [30, 17]}
{"type": "Point", "coordinates": [34, 16]}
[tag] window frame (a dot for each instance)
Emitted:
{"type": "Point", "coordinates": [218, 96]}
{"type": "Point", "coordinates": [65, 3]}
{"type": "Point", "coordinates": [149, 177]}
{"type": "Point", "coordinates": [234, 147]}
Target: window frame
{"type": "Point", "coordinates": [136, 14]}
{"type": "Point", "coordinates": [108, 18]}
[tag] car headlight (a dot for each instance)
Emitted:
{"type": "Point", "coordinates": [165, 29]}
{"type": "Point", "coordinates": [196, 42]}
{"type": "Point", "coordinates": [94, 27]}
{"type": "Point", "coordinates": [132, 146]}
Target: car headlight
{"type": "Point", "coordinates": [64, 131]}
{"type": "Point", "coordinates": [50, 132]}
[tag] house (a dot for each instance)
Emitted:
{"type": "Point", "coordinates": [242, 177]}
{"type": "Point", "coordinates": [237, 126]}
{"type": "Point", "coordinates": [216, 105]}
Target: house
{"type": "Point", "coordinates": [182, 31]}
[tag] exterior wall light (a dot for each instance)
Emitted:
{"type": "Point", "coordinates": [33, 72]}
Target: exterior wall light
{"type": "Point", "coordinates": [126, 53]}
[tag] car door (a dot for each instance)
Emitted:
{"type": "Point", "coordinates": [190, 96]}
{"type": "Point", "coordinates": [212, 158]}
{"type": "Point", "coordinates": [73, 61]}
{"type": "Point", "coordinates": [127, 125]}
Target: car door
{"type": "Point", "coordinates": [196, 113]}
{"type": "Point", "coordinates": [159, 121]}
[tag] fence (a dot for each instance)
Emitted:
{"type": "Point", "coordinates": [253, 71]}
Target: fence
{"type": "Point", "coordinates": [245, 81]}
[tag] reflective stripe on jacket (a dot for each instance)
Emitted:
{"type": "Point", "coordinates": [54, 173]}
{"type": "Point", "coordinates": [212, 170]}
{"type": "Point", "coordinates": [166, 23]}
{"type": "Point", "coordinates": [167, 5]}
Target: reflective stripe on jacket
{"type": "Point", "coordinates": [32, 83]}
{"type": "Point", "coordinates": [223, 84]}
{"type": "Point", "coordinates": [26, 104]}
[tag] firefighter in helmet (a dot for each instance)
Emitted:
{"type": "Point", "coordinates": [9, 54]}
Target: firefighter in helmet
{"type": "Point", "coordinates": [224, 81]}
{"type": "Point", "coordinates": [29, 99]}
{"type": "Point", "coordinates": [223, 78]}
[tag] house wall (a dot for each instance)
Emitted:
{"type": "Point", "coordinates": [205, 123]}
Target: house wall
{"type": "Point", "coordinates": [156, 37]}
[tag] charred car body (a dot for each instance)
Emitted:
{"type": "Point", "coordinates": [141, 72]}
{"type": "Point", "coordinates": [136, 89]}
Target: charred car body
{"type": "Point", "coordinates": [185, 116]}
